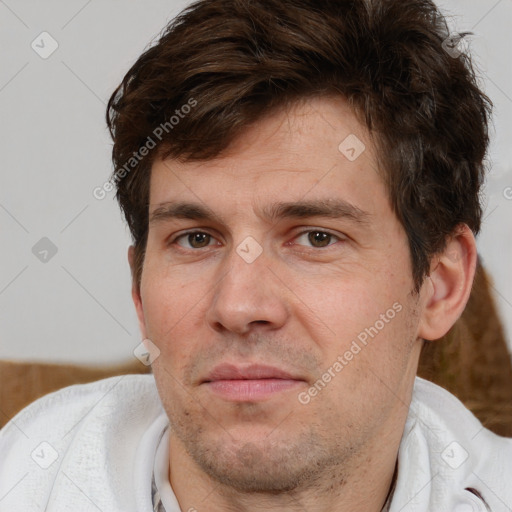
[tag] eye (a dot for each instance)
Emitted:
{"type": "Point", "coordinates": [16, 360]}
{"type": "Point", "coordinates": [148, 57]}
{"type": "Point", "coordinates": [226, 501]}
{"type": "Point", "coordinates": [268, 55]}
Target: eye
{"type": "Point", "coordinates": [194, 240]}
{"type": "Point", "coordinates": [317, 238]}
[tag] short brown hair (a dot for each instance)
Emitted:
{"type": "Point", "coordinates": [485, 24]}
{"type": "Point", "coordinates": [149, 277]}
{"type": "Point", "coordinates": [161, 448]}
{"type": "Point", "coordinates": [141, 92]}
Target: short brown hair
{"type": "Point", "coordinates": [240, 60]}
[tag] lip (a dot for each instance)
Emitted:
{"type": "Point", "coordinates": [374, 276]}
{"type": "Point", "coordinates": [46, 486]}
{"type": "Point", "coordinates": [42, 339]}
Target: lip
{"type": "Point", "coordinates": [249, 383]}
{"type": "Point", "coordinates": [226, 371]}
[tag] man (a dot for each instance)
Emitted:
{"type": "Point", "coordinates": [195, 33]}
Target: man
{"type": "Point", "coordinates": [301, 181]}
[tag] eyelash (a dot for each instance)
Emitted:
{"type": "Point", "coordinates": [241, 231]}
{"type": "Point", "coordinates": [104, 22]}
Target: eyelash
{"type": "Point", "coordinates": [302, 233]}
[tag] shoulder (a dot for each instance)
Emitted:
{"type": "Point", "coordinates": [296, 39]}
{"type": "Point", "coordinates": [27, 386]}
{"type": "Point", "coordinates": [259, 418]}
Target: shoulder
{"type": "Point", "coordinates": [70, 404]}
{"type": "Point", "coordinates": [443, 416]}
{"type": "Point", "coordinates": [438, 407]}
{"type": "Point", "coordinates": [444, 440]}
{"type": "Point", "coordinates": [71, 428]}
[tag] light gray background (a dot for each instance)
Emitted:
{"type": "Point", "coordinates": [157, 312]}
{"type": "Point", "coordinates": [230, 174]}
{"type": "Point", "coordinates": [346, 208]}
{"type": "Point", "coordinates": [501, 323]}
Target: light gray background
{"type": "Point", "coordinates": [55, 150]}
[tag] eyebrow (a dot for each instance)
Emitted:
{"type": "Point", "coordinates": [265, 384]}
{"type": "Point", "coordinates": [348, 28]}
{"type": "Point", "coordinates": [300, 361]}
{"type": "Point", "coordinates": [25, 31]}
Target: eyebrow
{"type": "Point", "coordinates": [329, 208]}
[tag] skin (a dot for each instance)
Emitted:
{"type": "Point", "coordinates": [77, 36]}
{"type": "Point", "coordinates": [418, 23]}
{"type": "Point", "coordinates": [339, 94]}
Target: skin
{"type": "Point", "coordinates": [298, 306]}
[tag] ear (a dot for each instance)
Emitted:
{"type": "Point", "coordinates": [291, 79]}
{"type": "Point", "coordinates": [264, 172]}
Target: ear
{"type": "Point", "coordinates": [136, 297]}
{"type": "Point", "coordinates": [446, 290]}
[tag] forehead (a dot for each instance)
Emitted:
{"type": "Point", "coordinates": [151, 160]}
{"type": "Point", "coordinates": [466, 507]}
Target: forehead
{"type": "Point", "coordinates": [314, 150]}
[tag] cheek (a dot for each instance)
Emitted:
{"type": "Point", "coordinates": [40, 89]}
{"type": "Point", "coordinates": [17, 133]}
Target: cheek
{"type": "Point", "coordinates": [335, 309]}
{"type": "Point", "coordinates": [171, 301]}
{"type": "Point", "coordinates": [367, 327]}
{"type": "Point", "coordinates": [375, 363]}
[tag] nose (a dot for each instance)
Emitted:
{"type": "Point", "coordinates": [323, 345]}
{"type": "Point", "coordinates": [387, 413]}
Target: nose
{"type": "Point", "coordinates": [249, 296]}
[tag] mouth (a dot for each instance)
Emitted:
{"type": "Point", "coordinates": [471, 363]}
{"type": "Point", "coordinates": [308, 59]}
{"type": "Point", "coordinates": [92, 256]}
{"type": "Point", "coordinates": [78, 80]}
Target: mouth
{"type": "Point", "coordinates": [249, 383]}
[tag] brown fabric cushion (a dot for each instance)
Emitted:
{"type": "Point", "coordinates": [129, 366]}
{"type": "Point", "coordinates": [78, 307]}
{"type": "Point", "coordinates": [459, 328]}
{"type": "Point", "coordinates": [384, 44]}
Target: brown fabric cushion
{"type": "Point", "coordinates": [23, 382]}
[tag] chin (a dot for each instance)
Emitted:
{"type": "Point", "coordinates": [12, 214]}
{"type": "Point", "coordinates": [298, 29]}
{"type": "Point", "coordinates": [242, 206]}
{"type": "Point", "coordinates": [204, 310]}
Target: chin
{"type": "Point", "coordinates": [265, 466]}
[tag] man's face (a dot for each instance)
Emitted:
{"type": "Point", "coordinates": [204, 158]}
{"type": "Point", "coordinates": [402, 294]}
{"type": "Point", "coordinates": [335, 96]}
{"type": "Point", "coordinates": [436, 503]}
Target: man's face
{"type": "Point", "coordinates": [280, 300]}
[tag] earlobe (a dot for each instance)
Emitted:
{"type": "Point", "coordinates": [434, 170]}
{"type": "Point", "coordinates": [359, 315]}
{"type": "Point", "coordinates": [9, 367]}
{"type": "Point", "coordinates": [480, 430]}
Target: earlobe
{"type": "Point", "coordinates": [447, 289]}
{"type": "Point", "coordinates": [136, 296]}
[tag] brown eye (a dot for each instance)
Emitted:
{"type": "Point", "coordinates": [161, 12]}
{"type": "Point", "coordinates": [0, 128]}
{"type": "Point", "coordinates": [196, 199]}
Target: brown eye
{"type": "Point", "coordinates": [319, 238]}
{"type": "Point", "coordinates": [194, 240]}
{"type": "Point", "coordinates": [199, 240]}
